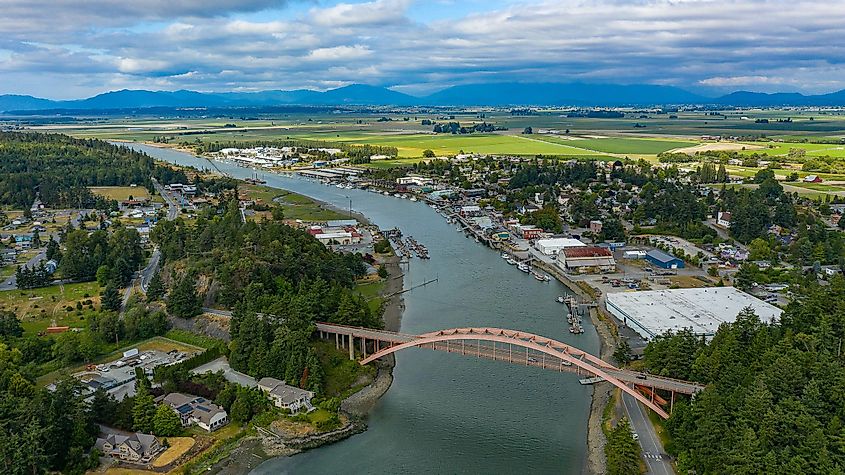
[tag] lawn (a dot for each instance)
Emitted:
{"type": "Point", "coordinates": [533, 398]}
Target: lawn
{"type": "Point", "coordinates": [178, 446]}
{"type": "Point", "coordinates": [372, 293]}
{"type": "Point", "coordinates": [343, 376]}
{"type": "Point", "coordinates": [120, 193]}
{"type": "Point", "coordinates": [37, 307]}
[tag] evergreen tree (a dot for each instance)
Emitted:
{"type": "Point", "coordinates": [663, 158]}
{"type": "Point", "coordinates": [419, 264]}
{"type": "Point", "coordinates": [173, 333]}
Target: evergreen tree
{"type": "Point", "coordinates": [622, 451]}
{"type": "Point", "coordinates": [155, 289]}
{"type": "Point", "coordinates": [183, 300]}
{"type": "Point", "coordinates": [110, 298]}
{"type": "Point", "coordinates": [144, 411]}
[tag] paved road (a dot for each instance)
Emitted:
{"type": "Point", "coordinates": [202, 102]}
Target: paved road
{"type": "Point", "coordinates": [221, 364]}
{"type": "Point", "coordinates": [656, 459]}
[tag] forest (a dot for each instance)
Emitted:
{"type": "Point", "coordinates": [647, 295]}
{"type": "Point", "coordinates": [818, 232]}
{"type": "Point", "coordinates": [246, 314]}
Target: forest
{"type": "Point", "coordinates": [775, 396]}
{"type": "Point", "coordinates": [58, 169]}
{"type": "Point", "coordinates": [278, 280]}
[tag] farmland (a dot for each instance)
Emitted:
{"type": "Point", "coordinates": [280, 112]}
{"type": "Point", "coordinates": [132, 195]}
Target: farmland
{"type": "Point", "coordinates": [37, 307]}
{"type": "Point", "coordinates": [121, 193]}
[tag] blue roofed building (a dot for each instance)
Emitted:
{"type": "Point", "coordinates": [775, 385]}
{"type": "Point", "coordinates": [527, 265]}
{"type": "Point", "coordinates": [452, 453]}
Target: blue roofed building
{"type": "Point", "coordinates": [663, 260]}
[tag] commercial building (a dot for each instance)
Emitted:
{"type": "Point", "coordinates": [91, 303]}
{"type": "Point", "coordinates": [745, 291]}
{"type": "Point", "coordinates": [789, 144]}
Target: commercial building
{"type": "Point", "coordinates": [552, 246]}
{"type": "Point", "coordinates": [586, 259]}
{"type": "Point", "coordinates": [197, 410]}
{"type": "Point", "coordinates": [651, 313]}
{"type": "Point", "coordinates": [663, 260]}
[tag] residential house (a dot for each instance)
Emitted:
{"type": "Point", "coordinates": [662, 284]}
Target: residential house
{"type": "Point", "coordinates": [812, 179]}
{"type": "Point", "coordinates": [723, 219]}
{"type": "Point", "coordinates": [135, 448]}
{"type": "Point", "coordinates": [285, 396]}
{"type": "Point", "coordinates": [197, 410]}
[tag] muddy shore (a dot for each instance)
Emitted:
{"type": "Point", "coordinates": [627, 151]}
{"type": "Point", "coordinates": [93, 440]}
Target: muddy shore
{"type": "Point", "coordinates": [596, 440]}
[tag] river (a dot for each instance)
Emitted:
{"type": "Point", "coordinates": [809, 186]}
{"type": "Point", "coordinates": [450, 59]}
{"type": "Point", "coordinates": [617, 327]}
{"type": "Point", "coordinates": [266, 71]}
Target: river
{"type": "Point", "coordinates": [446, 413]}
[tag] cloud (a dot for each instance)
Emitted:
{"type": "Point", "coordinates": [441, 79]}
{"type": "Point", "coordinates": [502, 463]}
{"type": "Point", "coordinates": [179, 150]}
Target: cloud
{"type": "Point", "coordinates": [232, 45]}
{"type": "Point", "coordinates": [378, 12]}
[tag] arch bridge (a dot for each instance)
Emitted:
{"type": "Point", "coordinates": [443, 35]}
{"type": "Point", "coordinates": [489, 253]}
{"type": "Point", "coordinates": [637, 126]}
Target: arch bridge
{"type": "Point", "coordinates": [515, 347]}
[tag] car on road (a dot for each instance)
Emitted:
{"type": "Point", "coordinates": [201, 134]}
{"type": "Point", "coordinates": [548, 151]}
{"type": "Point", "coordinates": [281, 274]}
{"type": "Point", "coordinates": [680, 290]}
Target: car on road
{"type": "Point", "coordinates": [635, 436]}
{"type": "Point", "coordinates": [532, 360]}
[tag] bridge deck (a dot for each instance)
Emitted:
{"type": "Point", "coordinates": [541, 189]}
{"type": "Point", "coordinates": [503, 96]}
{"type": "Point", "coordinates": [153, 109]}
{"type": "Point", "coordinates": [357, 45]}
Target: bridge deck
{"type": "Point", "coordinates": [522, 356]}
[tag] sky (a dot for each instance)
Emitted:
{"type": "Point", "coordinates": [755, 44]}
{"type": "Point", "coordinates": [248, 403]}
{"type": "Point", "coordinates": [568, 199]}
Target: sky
{"type": "Point", "coordinates": [63, 49]}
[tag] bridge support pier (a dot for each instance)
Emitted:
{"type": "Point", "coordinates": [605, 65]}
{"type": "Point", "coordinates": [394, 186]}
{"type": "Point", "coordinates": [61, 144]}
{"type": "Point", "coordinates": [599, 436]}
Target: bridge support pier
{"type": "Point", "coordinates": [351, 347]}
{"type": "Point", "coordinates": [364, 347]}
{"type": "Point", "coordinates": [336, 342]}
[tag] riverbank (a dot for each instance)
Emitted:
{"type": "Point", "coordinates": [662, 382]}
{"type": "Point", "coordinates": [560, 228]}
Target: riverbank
{"type": "Point", "coordinates": [596, 439]}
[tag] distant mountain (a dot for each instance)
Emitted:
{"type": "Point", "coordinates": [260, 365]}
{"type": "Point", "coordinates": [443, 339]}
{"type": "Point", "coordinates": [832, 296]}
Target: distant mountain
{"type": "Point", "coordinates": [496, 94]}
{"type": "Point", "coordinates": [515, 94]}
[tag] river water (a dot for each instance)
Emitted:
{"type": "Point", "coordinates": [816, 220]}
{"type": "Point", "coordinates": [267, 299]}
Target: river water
{"type": "Point", "coordinates": [447, 413]}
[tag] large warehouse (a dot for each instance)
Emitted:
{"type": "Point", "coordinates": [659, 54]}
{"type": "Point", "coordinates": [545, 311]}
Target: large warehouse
{"type": "Point", "coordinates": [652, 313]}
{"type": "Point", "coordinates": [552, 246]}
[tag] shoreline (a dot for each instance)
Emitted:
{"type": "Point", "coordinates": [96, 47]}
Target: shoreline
{"type": "Point", "coordinates": [264, 445]}
{"type": "Point", "coordinates": [596, 462]}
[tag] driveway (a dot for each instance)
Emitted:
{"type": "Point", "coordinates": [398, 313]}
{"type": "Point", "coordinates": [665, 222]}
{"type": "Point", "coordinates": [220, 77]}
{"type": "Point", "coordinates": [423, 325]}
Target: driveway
{"type": "Point", "coordinates": [221, 364]}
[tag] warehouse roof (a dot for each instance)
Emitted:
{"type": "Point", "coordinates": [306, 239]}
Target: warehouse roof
{"type": "Point", "coordinates": [654, 312]}
{"type": "Point", "coordinates": [661, 256]}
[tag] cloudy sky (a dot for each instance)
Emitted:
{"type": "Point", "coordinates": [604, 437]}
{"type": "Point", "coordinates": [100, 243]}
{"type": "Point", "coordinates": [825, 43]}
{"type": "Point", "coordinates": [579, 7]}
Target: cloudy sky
{"type": "Point", "coordinates": [76, 48]}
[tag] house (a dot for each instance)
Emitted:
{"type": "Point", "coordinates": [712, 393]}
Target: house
{"type": "Point", "coordinates": [663, 260]}
{"type": "Point", "coordinates": [286, 397]}
{"type": "Point", "coordinates": [595, 226]}
{"type": "Point", "coordinates": [197, 410]}
{"type": "Point", "coordinates": [586, 258]}
{"type": "Point", "coordinates": [136, 448]}
{"type": "Point", "coordinates": [723, 219]}
{"type": "Point", "coordinates": [812, 179]}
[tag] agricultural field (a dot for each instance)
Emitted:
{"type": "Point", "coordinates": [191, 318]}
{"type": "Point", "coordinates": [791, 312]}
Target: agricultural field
{"type": "Point", "coordinates": [635, 146]}
{"type": "Point", "coordinates": [121, 193]}
{"type": "Point", "coordinates": [782, 149]}
{"type": "Point", "coordinates": [36, 308]}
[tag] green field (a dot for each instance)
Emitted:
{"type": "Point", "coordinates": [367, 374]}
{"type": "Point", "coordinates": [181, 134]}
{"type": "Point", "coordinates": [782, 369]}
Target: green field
{"type": "Point", "coordinates": [297, 206]}
{"type": "Point", "coordinates": [120, 193]}
{"type": "Point", "coordinates": [621, 145]}
{"type": "Point", "coordinates": [37, 307]}
{"type": "Point", "coordinates": [813, 149]}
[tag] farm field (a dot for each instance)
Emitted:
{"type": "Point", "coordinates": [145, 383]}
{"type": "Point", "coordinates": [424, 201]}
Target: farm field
{"type": "Point", "coordinates": [120, 193]}
{"type": "Point", "coordinates": [615, 145]}
{"type": "Point", "coordinates": [813, 149]}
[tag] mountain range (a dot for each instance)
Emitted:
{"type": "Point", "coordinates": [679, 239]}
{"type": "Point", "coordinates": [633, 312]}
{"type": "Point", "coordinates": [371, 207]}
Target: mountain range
{"type": "Point", "coordinates": [493, 94]}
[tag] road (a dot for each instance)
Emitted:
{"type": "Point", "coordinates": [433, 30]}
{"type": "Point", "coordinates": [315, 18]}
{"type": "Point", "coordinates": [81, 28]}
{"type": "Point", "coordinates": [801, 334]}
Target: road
{"type": "Point", "coordinates": [12, 282]}
{"type": "Point", "coordinates": [656, 459]}
{"type": "Point", "coordinates": [155, 259]}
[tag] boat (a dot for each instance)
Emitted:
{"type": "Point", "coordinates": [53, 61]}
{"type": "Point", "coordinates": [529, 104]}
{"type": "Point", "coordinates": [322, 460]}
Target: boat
{"type": "Point", "coordinates": [413, 198]}
{"type": "Point", "coordinates": [386, 193]}
{"type": "Point", "coordinates": [505, 255]}
{"type": "Point", "coordinates": [510, 261]}
{"type": "Point", "coordinates": [539, 276]}
{"type": "Point", "coordinates": [523, 267]}
{"type": "Point", "coordinates": [560, 299]}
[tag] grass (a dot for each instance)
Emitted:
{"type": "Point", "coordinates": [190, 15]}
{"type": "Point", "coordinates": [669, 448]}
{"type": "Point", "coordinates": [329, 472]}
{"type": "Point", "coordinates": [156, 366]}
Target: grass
{"type": "Point", "coordinates": [37, 307]}
{"type": "Point", "coordinates": [193, 339]}
{"type": "Point", "coordinates": [179, 446]}
{"type": "Point", "coordinates": [301, 207]}
{"type": "Point", "coordinates": [226, 439]}
{"type": "Point", "coordinates": [372, 293]}
{"type": "Point", "coordinates": [343, 376]}
{"type": "Point", "coordinates": [120, 193]}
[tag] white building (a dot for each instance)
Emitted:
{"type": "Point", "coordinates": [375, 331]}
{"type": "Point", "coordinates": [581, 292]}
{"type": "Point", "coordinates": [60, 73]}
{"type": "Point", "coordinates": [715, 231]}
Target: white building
{"type": "Point", "coordinates": [552, 246]}
{"type": "Point", "coordinates": [654, 312]}
{"type": "Point", "coordinates": [414, 180]}
{"type": "Point", "coordinates": [723, 219]}
{"type": "Point", "coordinates": [286, 397]}
{"type": "Point", "coordinates": [344, 238]}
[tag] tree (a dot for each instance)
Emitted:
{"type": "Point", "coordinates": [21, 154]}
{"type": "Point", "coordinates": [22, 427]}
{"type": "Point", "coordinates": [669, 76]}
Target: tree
{"type": "Point", "coordinates": [622, 354]}
{"type": "Point", "coordinates": [103, 407]}
{"type": "Point", "coordinates": [427, 153]}
{"type": "Point", "coordinates": [10, 326]}
{"type": "Point", "coordinates": [382, 271]}
{"type": "Point", "coordinates": [144, 411]}
{"type": "Point", "coordinates": [110, 298]}
{"type": "Point", "coordinates": [183, 300]}
{"type": "Point", "coordinates": [622, 451]}
{"type": "Point", "coordinates": [241, 409]}
{"type": "Point", "coordinates": [166, 423]}
{"type": "Point", "coordinates": [759, 250]}
{"type": "Point", "coordinates": [155, 289]}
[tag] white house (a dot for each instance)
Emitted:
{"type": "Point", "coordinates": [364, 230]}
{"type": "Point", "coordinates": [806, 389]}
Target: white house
{"type": "Point", "coordinates": [286, 397]}
{"type": "Point", "coordinates": [723, 219]}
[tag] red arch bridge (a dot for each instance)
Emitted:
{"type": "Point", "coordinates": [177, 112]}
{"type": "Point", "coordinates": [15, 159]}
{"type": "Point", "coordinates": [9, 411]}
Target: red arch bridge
{"type": "Point", "coordinates": [514, 347]}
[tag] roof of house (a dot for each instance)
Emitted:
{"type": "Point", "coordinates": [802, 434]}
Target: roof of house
{"type": "Point", "coordinates": [269, 383]}
{"type": "Point", "coordinates": [198, 407]}
{"type": "Point", "coordinates": [139, 442]}
{"type": "Point", "coordinates": [281, 390]}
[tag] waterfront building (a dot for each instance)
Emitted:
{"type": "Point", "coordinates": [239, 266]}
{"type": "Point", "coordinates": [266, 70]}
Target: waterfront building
{"type": "Point", "coordinates": [553, 246]}
{"type": "Point", "coordinates": [584, 259]}
{"type": "Point", "coordinates": [285, 396]}
{"type": "Point", "coordinates": [651, 313]}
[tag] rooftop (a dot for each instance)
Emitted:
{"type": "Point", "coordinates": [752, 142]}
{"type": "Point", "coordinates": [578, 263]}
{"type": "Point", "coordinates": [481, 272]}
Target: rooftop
{"type": "Point", "coordinates": [586, 251]}
{"type": "Point", "coordinates": [651, 313]}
